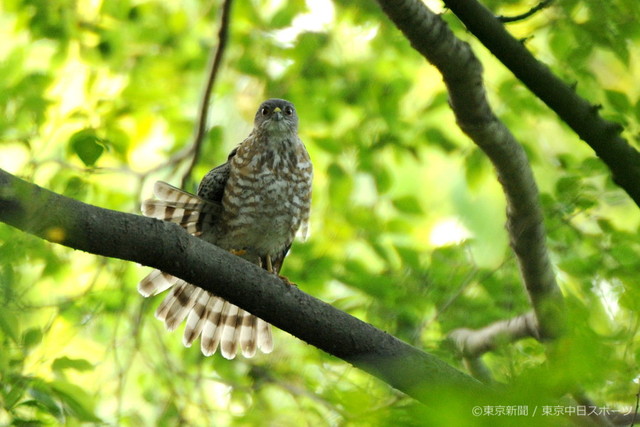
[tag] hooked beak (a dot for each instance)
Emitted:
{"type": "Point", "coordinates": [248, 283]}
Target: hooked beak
{"type": "Point", "coordinates": [277, 114]}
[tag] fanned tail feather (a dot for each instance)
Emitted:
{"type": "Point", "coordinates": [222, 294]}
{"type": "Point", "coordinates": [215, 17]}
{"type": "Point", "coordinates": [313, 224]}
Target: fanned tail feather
{"type": "Point", "coordinates": [189, 211]}
{"type": "Point", "coordinates": [265, 340]}
{"type": "Point", "coordinates": [217, 322]}
{"type": "Point", "coordinates": [248, 334]}
{"type": "Point", "coordinates": [229, 336]}
{"type": "Point", "coordinates": [156, 282]}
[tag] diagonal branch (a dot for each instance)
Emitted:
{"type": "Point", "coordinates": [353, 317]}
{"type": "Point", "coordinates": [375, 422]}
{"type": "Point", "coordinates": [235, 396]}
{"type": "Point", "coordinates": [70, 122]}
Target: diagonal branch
{"type": "Point", "coordinates": [462, 73]}
{"type": "Point", "coordinates": [507, 19]}
{"type": "Point", "coordinates": [474, 343]}
{"type": "Point", "coordinates": [166, 246]}
{"type": "Point", "coordinates": [203, 111]}
{"type": "Point", "coordinates": [602, 135]}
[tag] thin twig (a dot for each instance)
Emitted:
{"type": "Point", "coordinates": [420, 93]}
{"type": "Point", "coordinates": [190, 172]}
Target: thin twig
{"type": "Point", "coordinates": [507, 19]}
{"type": "Point", "coordinates": [635, 413]}
{"type": "Point", "coordinates": [214, 66]}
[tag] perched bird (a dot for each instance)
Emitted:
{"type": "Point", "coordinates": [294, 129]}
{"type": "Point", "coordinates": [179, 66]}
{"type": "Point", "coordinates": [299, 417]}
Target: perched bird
{"type": "Point", "coordinates": [252, 205]}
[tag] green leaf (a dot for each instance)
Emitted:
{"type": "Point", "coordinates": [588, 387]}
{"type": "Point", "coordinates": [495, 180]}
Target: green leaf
{"type": "Point", "coordinates": [32, 337]}
{"type": "Point", "coordinates": [625, 255]}
{"type": "Point", "coordinates": [579, 266]}
{"type": "Point", "coordinates": [475, 166]}
{"type": "Point", "coordinates": [619, 100]}
{"type": "Point", "coordinates": [340, 184]}
{"type": "Point", "coordinates": [435, 136]}
{"type": "Point", "coordinates": [568, 188]}
{"type": "Point", "coordinates": [16, 387]}
{"type": "Point", "coordinates": [9, 325]}
{"type": "Point", "coordinates": [75, 401]}
{"type": "Point", "coordinates": [637, 110]}
{"type": "Point", "coordinates": [86, 145]}
{"type": "Point", "coordinates": [63, 363]}
{"type": "Point", "coordinates": [593, 166]}
{"type": "Point", "coordinates": [408, 205]}
{"type": "Point", "coordinates": [383, 178]}
{"type": "Point", "coordinates": [43, 394]}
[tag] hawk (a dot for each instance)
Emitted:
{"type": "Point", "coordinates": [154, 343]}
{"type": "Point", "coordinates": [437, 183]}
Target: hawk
{"type": "Point", "coordinates": [252, 205]}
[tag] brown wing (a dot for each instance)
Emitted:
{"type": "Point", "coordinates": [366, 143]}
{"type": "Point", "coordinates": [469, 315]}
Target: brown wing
{"type": "Point", "coordinates": [213, 184]}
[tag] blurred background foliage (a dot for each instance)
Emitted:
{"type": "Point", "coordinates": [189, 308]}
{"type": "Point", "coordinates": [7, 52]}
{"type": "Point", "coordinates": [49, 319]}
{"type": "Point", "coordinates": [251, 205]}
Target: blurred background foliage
{"type": "Point", "coordinates": [98, 99]}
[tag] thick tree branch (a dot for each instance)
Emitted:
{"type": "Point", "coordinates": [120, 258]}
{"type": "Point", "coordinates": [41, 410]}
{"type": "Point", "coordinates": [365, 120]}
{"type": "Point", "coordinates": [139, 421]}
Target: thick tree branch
{"type": "Point", "coordinates": [601, 135]}
{"type": "Point", "coordinates": [166, 246]}
{"type": "Point", "coordinates": [462, 73]}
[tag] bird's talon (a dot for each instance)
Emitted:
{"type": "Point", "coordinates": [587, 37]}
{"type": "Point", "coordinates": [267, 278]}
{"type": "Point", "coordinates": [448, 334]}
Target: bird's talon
{"type": "Point", "coordinates": [287, 281]}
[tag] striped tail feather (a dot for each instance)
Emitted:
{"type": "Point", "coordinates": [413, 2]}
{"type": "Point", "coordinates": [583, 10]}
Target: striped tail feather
{"type": "Point", "coordinates": [189, 211]}
{"type": "Point", "coordinates": [217, 322]}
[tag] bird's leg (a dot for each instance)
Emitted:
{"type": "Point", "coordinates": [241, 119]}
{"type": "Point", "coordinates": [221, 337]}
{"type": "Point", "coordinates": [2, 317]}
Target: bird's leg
{"type": "Point", "coordinates": [238, 252]}
{"type": "Point", "coordinates": [270, 270]}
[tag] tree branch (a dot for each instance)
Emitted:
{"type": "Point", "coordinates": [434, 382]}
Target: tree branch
{"type": "Point", "coordinates": [166, 246]}
{"type": "Point", "coordinates": [602, 135]}
{"type": "Point", "coordinates": [203, 111]}
{"type": "Point", "coordinates": [474, 343]}
{"type": "Point", "coordinates": [506, 19]}
{"type": "Point", "coordinates": [462, 73]}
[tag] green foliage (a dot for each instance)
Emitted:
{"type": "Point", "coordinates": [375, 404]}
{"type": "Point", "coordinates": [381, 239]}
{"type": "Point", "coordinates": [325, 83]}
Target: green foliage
{"type": "Point", "coordinates": [98, 100]}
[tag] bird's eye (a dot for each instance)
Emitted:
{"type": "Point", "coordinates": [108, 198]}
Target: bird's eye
{"type": "Point", "coordinates": [288, 111]}
{"type": "Point", "coordinates": [264, 111]}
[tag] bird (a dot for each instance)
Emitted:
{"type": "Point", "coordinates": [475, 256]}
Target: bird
{"type": "Point", "coordinates": [253, 205]}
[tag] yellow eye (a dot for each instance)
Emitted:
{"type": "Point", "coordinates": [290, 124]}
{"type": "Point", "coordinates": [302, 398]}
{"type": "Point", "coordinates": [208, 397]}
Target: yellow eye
{"type": "Point", "coordinates": [264, 111]}
{"type": "Point", "coordinates": [288, 111]}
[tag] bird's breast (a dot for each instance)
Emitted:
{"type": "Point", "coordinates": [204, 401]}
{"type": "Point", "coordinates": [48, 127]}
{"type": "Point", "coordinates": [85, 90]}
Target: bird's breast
{"type": "Point", "coordinates": [263, 203]}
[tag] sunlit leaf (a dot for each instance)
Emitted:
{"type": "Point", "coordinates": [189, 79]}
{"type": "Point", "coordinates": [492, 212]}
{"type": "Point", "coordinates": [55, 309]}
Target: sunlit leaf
{"type": "Point", "coordinates": [67, 363]}
{"type": "Point", "coordinates": [619, 100]}
{"type": "Point", "coordinates": [408, 204]}
{"type": "Point", "coordinates": [32, 337]}
{"type": "Point", "coordinates": [75, 401]}
{"type": "Point", "coordinates": [86, 145]}
{"type": "Point", "coordinates": [9, 325]}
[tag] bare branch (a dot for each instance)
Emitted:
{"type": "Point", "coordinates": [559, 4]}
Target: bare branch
{"type": "Point", "coordinates": [166, 246]}
{"type": "Point", "coordinates": [507, 19]}
{"type": "Point", "coordinates": [584, 118]}
{"type": "Point", "coordinates": [473, 343]}
{"type": "Point", "coordinates": [203, 111]}
{"type": "Point", "coordinates": [635, 412]}
{"type": "Point", "coordinates": [462, 73]}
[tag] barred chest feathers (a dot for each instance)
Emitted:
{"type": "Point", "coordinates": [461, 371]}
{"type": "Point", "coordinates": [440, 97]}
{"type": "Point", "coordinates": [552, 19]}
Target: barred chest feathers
{"type": "Point", "coordinates": [267, 195]}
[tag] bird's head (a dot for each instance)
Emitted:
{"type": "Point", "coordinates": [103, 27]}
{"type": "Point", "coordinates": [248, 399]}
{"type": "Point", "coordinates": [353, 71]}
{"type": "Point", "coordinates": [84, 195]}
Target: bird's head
{"type": "Point", "coordinates": [276, 116]}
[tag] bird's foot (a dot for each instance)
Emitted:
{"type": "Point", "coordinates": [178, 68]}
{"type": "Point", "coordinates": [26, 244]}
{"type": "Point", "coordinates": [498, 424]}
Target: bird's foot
{"type": "Point", "coordinates": [287, 281]}
{"type": "Point", "coordinates": [238, 252]}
